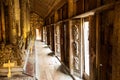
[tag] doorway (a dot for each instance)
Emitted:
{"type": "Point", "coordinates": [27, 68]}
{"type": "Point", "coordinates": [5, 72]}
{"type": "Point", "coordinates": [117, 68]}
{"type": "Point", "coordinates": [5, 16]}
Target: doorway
{"type": "Point", "coordinates": [85, 57]}
{"type": "Point", "coordinates": [64, 45]}
{"type": "Point", "coordinates": [86, 47]}
{"type": "Point", "coordinates": [38, 35]}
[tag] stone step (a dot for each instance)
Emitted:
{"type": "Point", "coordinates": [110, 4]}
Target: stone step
{"type": "Point", "coordinates": [14, 71]}
{"type": "Point", "coordinates": [18, 78]}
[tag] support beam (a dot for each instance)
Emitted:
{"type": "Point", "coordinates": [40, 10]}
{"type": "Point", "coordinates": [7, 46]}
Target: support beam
{"type": "Point", "coordinates": [97, 10]}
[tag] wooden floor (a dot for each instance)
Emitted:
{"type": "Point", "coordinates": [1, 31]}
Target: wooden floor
{"type": "Point", "coordinates": [47, 66]}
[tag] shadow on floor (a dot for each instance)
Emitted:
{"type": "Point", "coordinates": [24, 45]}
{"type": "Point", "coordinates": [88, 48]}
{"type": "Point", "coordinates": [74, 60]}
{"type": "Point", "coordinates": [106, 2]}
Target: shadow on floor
{"type": "Point", "coordinates": [51, 54]}
{"type": "Point", "coordinates": [62, 69]}
{"type": "Point", "coordinates": [45, 47]}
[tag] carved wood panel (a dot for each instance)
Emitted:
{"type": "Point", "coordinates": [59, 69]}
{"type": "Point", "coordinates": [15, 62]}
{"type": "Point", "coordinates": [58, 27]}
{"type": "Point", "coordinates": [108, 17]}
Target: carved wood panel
{"type": "Point", "coordinates": [76, 47]}
{"type": "Point", "coordinates": [57, 40]}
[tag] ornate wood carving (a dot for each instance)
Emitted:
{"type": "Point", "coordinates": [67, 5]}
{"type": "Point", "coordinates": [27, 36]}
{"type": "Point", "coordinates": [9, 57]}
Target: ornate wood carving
{"type": "Point", "coordinates": [76, 47]}
{"type": "Point", "coordinates": [57, 41]}
{"type": "Point", "coordinates": [10, 52]}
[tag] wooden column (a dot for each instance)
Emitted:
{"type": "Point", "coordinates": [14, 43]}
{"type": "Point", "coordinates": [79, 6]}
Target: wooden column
{"type": "Point", "coordinates": [28, 18]}
{"type": "Point", "coordinates": [2, 24]}
{"type": "Point", "coordinates": [17, 17]}
{"type": "Point", "coordinates": [23, 18]}
{"type": "Point", "coordinates": [70, 14]}
{"type": "Point", "coordinates": [70, 50]}
{"type": "Point", "coordinates": [13, 28]}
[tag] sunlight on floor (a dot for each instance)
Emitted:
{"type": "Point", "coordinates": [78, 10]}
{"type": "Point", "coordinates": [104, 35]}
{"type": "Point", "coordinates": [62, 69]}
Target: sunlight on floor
{"type": "Point", "coordinates": [48, 67]}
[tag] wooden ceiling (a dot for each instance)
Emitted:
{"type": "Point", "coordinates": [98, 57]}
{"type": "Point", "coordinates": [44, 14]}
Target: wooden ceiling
{"type": "Point", "coordinates": [43, 7]}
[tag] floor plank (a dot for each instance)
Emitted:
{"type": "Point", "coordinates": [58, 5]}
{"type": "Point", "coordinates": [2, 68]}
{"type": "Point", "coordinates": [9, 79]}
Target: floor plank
{"type": "Point", "coordinates": [48, 67]}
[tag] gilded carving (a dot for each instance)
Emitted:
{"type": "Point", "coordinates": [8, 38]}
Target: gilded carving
{"type": "Point", "coordinates": [10, 52]}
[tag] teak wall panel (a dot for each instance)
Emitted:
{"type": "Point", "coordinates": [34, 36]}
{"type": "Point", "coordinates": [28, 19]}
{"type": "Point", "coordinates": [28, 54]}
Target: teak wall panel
{"type": "Point", "coordinates": [79, 6]}
{"type": "Point", "coordinates": [86, 5]}
{"type": "Point", "coordinates": [52, 19]}
{"type": "Point", "coordinates": [92, 4]}
{"type": "Point", "coordinates": [103, 2]}
{"type": "Point", "coordinates": [106, 49]}
{"type": "Point", "coordinates": [60, 14]}
{"type": "Point", "coordinates": [65, 11]}
{"type": "Point", "coordinates": [116, 44]}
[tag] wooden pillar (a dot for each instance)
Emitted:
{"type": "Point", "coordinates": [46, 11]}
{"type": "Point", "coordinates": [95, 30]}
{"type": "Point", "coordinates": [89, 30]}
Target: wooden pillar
{"type": "Point", "coordinates": [71, 52]}
{"type": "Point", "coordinates": [28, 18]}
{"type": "Point", "coordinates": [23, 18]}
{"type": "Point", "coordinates": [13, 28]}
{"type": "Point", "coordinates": [70, 14]}
{"type": "Point", "coordinates": [2, 23]}
{"type": "Point", "coordinates": [17, 17]}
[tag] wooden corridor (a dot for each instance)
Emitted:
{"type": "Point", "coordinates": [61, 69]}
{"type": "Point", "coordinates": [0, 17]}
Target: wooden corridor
{"type": "Point", "coordinates": [48, 66]}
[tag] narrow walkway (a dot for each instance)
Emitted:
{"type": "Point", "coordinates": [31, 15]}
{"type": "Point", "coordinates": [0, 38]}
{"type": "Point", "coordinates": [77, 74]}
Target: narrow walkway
{"type": "Point", "coordinates": [47, 66]}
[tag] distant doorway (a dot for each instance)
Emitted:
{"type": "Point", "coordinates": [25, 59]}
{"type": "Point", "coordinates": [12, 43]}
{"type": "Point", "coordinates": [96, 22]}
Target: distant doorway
{"type": "Point", "coordinates": [38, 35]}
{"type": "Point", "coordinates": [86, 47]}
